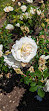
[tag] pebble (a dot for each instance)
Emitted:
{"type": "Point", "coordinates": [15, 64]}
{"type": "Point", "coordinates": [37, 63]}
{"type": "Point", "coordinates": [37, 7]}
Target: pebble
{"type": "Point", "coordinates": [9, 96]}
{"type": "Point", "coordinates": [13, 101]}
{"type": "Point", "coordinates": [3, 107]}
{"type": "Point", "coordinates": [10, 101]}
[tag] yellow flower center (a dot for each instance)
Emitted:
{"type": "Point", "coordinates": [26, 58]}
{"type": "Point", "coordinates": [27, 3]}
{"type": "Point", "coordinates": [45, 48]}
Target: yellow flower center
{"type": "Point", "coordinates": [26, 49]}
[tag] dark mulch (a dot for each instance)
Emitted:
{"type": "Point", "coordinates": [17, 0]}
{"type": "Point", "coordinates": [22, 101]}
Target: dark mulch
{"type": "Point", "coordinates": [16, 97]}
{"type": "Point", "coordinates": [30, 103]}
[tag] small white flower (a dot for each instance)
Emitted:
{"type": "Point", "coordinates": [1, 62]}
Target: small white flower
{"type": "Point", "coordinates": [29, 36]}
{"type": "Point", "coordinates": [26, 14]}
{"type": "Point", "coordinates": [46, 88]}
{"type": "Point", "coordinates": [9, 26]}
{"type": "Point", "coordinates": [11, 62]}
{"type": "Point", "coordinates": [38, 12]}
{"type": "Point", "coordinates": [24, 49]}
{"type": "Point", "coordinates": [18, 25]}
{"type": "Point", "coordinates": [13, 0]}
{"type": "Point", "coordinates": [44, 57]}
{"type": "Point", "coordinates": [21, 17]}
{"type": "Point", "coordinates": [32, 10]}
{"type": "Point", "coordinates": [8, 9]}
{"type": "Point", "coordinates": [1, 47]}
{"type": "Point", "coordinates": [23, 8]}
{"type": "Point", "coordinates": [29, 1]}
{"type": "Point", "coordinates": [19, 3]}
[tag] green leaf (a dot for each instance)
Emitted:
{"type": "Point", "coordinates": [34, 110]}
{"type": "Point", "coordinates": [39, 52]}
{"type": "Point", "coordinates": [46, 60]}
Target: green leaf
{"type": "Point", "coordinates": [41, 32]}
{"type": "Point", "coordinates": [33, 84]}
{"type": "Point", "coordinates": [46, 73]}
{"type": "Point", "coordinates": [27, 80]}
{"type": "Point", "coordinates": [33, 88]}
{"type": "Point", "coordinates": [41, 93]}
{"type": "Point", "coordinates": [27, 73]}
{"type": "Point", "coordinates": [48, 27]}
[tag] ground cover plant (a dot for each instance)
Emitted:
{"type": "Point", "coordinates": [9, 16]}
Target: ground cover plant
{"type": "Point", "coordinates": [24, 44]}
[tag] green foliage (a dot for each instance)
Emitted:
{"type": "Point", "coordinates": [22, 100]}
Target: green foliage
{"type": "Point", "coordinates": [41, 93]}
{"type": "Point", "coordinates": [3, 67]}
{"type": "Point", "coordinates": [5, 38]}
{"type": "Point", "coordinates": [33, 88]}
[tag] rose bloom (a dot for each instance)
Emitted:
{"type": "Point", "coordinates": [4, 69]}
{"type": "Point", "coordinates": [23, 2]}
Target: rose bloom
{"type": "Point", "coordinates": [29, 1]}
{"type": "Point", "coordinates": [9, 59]}
{"type": "Point", "coordinates": [24, 49]}
{"type": "Point", "coordinates": [8, 9]}
{"type": "Point", "coordinates": [17, 25]}
{"type": "Point", "coordinates": [9, 27]}
{"type": "Point", "coordinates": [46, 88]}
{"type": "Point", "coordinates": [19, 3]}
{"type": "Point", "coordinates": [13, 0]}
{"type": "Point", "coordinates": [22, 52]}
{"type": "Point", "coordinates": [1, 47]}
{"type": "Point", "coordinates": [23, 8]}
{"type": "Point", "coordinates": [25, 15]}
{"type": "Point", "coordinates": [38, 12]}
{"type": "Point", "coordinates": [32, 10]}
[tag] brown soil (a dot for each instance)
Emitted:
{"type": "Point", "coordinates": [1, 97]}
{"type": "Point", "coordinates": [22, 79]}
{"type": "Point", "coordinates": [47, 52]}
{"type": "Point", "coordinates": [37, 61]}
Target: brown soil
{"type": "Point", "coordinates": [9, 101]}
{"type": "Point", "coordinates": [2, 20]}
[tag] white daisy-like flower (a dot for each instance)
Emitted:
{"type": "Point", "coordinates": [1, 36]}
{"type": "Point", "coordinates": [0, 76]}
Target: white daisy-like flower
{"type": "Point", "coordinates": [11, 62]}
{"type": "Point", "coordinates": [8, 9]}
{"type": "Point", "coordinates": [1, 47]}
{"type": "Point", "coordinates": [29, 1]}
{"type": "Point", "coordinates": [9, 27]}
{"type": "Point", "coordinates": [46, 88]}
{"type": "Point", "coordinates": [23, 8]}
{"type": "Point", "coordinates": [38, 12]}
{"type": "Point", "coordinates": [18, 25]}
{"type": "Point", "coordinates": [24, 49]}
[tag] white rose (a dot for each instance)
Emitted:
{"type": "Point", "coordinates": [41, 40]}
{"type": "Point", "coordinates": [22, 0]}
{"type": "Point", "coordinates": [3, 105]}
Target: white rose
{"type": "Point", "coordinates": [46, 88]}
{"type": "Point", "coordinates": [38, 12]}
{"type": "Point", "coordinates": [32, 10]}
{"type": "Point", "coordinates": [1, 47]}
{"type": "Point", "coordinates": [13, 0]}
{"type": "Point", "coordinates": [9, 26]}
{"type": "Point", "coordinates": [11, 61]}
{"type": "Point", "coordinates": [8, 9]}
{"type": "Point", "coordinates": [24, 49]}
{"type": "Point", "coordinates": [44, 57]}
{"type": "Point", "coordinates": [23, 8]}
{"type": "Point", "coordinates": [29, 1]}
{"type": "Point", "coordinates": [19, 3]}
{"type": "Point", "coordinates": [26, 14]}
{"type": "Point", "coordinates": [18, 25]}
{"type": "Point", "coordinates": [21, 16]}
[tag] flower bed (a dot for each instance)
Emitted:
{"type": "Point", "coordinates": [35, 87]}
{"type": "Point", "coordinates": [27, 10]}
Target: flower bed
{"type": "Point", "coordinates": [24, 44]}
